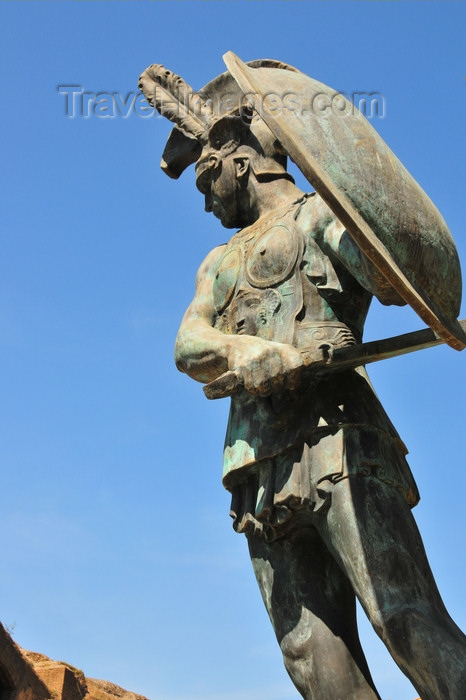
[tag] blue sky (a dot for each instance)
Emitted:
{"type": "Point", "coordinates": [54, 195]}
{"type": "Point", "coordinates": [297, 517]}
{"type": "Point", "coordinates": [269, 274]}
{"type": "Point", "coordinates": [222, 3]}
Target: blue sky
{"type": "Point", "coordinates": [117, 550]}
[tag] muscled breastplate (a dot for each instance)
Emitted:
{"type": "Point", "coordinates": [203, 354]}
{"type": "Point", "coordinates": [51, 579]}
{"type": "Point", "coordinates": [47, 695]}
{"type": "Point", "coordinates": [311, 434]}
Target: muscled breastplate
{"type": "Point", "coordinates": [275, 282]}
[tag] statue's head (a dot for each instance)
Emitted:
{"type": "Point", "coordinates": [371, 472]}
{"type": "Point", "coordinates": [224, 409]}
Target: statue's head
{"type": "Point", "coordinates": [240, 151]}
{"type": "Point", "coordinates": [244, 134]}
{"type": "Point", "coordinates": [216, 130]}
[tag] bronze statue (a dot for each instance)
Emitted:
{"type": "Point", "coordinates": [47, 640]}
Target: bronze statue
{"type": "Point", "coordinates": [319, 481]}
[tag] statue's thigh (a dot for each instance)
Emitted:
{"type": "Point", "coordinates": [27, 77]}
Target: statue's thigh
{"type": "Point", "coordinates": [371, 532]}
{"type": "Point", "coordinates": [312, 607]}
{"type": "Point", "coordinates": [302, 586]}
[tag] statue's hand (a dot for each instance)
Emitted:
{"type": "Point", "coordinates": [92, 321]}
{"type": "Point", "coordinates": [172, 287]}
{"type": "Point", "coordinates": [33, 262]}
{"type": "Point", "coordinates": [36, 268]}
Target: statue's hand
{"type": "Point", "coordinates": [264, 367]}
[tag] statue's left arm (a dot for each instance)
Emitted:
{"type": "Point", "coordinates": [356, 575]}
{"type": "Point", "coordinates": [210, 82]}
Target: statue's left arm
{"type": "Point", "coordinates": [335, 240]}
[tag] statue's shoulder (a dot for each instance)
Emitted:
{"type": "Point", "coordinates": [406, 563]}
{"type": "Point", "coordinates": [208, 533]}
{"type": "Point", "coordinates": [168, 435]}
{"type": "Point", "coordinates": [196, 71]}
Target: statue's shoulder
{"type": "Point", "coordinates": [209, 265]}
{"type": "Point", "coordinates": [314, 216]}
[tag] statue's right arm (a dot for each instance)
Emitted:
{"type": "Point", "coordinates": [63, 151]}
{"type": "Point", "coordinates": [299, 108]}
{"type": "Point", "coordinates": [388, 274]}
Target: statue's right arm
{"type": "Point", "coordinates": [200, 349]}
{"type": "Point", "coordinates": [204, 352]}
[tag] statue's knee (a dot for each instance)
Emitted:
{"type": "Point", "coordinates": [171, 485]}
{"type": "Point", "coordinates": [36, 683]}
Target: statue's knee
{"type": "Point", "coordinates": [295, 648]}
{"type": "Point", "coordinates": [310, 648]}
{"type": "Point", "coordinates": [300, 664]}
{"type": "Point", "coordinates": [399, 626]}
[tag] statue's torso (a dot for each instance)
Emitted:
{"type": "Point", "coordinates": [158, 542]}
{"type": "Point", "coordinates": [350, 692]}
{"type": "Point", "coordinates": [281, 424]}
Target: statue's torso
{"type": "Point", "coordinates": [275, 281]}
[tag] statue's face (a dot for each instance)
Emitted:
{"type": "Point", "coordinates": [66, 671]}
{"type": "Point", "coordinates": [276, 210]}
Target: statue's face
{"type": "Point", "coordinates": [220, 186]}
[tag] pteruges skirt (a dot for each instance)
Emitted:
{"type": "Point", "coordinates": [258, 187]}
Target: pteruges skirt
{"type": "Point", "coordinates": [270, 496]}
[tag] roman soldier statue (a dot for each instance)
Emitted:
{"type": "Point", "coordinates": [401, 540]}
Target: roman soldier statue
{"type": "Point", "coordinates": [318, 475]}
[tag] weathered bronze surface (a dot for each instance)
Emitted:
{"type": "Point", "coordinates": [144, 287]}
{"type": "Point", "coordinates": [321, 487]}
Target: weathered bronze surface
{"type": "Point", "coordinates": [319, 481]}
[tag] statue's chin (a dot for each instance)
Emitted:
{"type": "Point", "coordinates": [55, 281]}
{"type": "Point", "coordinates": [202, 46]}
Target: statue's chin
{"type": "Point", "coordinates": [229, 221]}
{"type": "Point", "coordinates": [237, 221]}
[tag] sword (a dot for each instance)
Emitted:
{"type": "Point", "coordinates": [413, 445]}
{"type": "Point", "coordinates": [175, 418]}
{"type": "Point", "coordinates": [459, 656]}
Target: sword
{"type": "Point", "coordinates": [325, 359]}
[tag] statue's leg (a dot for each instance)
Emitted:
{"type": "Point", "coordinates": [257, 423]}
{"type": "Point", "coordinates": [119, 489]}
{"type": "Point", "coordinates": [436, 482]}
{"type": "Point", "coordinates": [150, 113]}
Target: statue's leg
{"type": "Point", "coordinates": [373, 535]}
{"type": "Point", "coordinates": [312, 608]}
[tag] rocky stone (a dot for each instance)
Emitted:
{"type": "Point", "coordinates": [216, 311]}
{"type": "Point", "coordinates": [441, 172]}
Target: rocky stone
{"type": "Point", "coordinates": [29, 675]}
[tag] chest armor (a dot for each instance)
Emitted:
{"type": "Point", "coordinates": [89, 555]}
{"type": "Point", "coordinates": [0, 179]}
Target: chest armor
{"type": "Point", "coordinates": [257, 290]}
{"type": "Point", "coordinates": [276, 283]}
